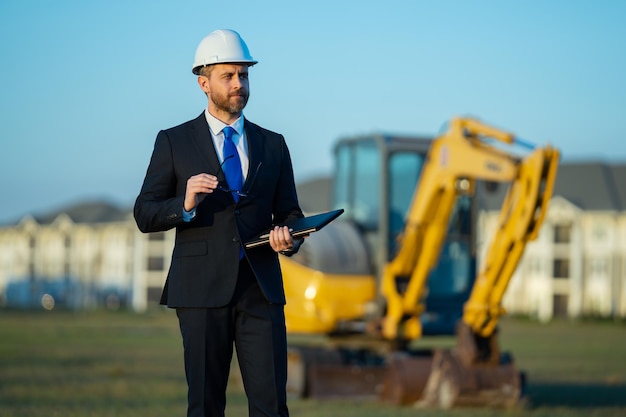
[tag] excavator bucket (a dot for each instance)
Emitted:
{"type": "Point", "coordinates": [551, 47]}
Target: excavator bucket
{"type": "Point", "coordinates": [452, 383]}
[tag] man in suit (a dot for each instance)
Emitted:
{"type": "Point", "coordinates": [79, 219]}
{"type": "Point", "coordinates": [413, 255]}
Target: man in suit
{"type": "Point", "coordinates": [220, 180]}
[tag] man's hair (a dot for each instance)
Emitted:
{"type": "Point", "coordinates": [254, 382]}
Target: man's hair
{"type": "Point", "coordinates": [206, 70]}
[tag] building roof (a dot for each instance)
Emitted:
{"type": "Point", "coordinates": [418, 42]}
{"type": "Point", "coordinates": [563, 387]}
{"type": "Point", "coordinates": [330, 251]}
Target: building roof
{"type": "Point", "coordinates": [87, 212]}
{"type": "Point", "coordinates": [618, 172]}
{"type": "Point", "coordinates": [315, 195]}
{"type": "Point", "coordinates": [592, 185]}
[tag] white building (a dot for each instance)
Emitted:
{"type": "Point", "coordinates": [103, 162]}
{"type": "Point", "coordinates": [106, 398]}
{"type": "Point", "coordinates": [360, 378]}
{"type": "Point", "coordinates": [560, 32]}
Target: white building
{"type": "Point", "coordinates": [95, 248]}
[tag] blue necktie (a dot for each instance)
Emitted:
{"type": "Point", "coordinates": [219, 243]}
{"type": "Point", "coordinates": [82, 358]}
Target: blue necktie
{"type": "Point", "coordinates": [232, 167]}
{"type": "Point", "coordinates": [232, 163]}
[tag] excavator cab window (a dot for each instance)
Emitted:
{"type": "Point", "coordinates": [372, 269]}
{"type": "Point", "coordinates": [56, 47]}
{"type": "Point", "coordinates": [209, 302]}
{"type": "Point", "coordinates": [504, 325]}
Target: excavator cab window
{"type": "Point", "coordinates": [404, 172]}
{"type": "Point", "coordinates": [358, 181]}
{"type": "Point", "coordinates": [454, 271]}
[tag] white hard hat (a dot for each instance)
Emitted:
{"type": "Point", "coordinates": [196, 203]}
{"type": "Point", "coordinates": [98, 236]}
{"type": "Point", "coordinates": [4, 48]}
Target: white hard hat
{"type": "Point", "coordinates": [219, 47]}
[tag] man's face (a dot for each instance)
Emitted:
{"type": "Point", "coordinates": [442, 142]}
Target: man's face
{"type": "Point", "coordinates": [227, 88]}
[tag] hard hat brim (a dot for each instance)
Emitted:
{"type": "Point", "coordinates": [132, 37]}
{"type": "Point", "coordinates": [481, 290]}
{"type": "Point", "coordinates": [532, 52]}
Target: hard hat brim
{"type": "Point", "coordinates": [196, 68]}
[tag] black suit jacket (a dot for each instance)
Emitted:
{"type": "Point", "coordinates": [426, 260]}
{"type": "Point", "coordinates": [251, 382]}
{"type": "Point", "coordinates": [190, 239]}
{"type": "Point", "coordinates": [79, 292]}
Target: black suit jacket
{"type": "Point", "coordinates": [205, 260]}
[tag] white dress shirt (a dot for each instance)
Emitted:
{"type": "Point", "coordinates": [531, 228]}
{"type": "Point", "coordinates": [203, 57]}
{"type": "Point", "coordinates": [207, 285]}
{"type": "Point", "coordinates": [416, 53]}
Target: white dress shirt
{"type": "Point", "coordinates": [239, 139]}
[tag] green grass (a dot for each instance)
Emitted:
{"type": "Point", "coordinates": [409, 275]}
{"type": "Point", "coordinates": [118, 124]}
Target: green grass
{"type": "Point", "coordinates": [121, 365]}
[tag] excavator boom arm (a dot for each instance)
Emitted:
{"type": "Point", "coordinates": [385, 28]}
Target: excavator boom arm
{"type": "Point", "coordinates": [521, 216]}
{"type": "Point", "coordinates": [455, 160]}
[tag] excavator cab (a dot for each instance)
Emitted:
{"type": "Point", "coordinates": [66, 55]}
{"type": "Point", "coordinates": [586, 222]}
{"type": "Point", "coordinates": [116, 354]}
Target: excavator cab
{"type": "Point", "coordinates": [375, 181]}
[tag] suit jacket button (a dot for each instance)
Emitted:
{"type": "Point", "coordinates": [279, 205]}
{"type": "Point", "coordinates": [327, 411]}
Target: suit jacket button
{"type": "Point", "coordinates": [235, 239]}
{"type": "Point", "coordinates": [237, 212]}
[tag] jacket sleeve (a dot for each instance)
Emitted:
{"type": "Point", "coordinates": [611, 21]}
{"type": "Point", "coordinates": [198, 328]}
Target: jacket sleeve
{"type": "Point", "coordinates": [158, 208]}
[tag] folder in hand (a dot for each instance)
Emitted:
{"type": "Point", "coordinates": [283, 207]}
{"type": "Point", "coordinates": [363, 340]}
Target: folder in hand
{"type": "Point", "coordinates": [299, 227]}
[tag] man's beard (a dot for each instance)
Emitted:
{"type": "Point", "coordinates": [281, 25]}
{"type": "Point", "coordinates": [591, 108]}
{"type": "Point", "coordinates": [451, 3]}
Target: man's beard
{"type": "Point", "coordinates": [227, 104]}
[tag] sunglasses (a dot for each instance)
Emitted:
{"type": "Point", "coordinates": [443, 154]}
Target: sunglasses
{"type": "Point", "coordinates": [222, 179]}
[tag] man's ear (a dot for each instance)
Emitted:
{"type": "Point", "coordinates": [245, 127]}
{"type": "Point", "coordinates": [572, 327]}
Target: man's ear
{"type": "Point", "coordinates": [203, 82]}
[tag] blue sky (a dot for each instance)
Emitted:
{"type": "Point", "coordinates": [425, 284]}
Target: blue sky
{"type": "Point", "coordinates": [86, 85]}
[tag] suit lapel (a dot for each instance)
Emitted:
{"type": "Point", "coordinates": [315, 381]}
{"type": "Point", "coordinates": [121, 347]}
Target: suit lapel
{"type": "Point", "coordinates": [255, 151]}
{"type": "Point", "coordinates": [202, 140]}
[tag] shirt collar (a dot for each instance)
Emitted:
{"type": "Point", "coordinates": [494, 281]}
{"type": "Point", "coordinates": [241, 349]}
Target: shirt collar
{"type": "Point", "coordinates": [216, 125]}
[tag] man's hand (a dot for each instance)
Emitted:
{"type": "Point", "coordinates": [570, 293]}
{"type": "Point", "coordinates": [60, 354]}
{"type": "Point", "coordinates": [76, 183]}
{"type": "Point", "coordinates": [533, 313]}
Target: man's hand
{"type": "Point", "coordinates": [198, 187]}
{"type": "Point", "coordinates": [281, 239]}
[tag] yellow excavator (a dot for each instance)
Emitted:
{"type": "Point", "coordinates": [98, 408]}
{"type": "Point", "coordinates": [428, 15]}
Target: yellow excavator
{"type": "Point", "coordinates": [400, 264]}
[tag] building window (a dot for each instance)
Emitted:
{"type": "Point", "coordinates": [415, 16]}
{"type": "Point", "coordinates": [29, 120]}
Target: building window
{"type": "Point", "coordinates": [562, 233]}
{"type": "Point", "coordinates": [156, 263]}
{"type": "Point", "coordinates": [561, 268]}
{"type": "Point", "coordinates": [559, 305]}
{"type": "Point", "coordinates": [154, 295]}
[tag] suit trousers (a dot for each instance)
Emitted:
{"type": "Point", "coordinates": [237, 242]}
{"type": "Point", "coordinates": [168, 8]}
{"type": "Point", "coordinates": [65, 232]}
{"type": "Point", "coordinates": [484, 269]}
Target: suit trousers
{"type": "Point", "coordinates": [257, 330]}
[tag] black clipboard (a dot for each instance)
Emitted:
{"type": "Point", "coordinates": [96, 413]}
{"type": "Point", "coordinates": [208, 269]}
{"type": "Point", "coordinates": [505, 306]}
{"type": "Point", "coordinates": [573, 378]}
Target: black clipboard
{"type": "Point", "coordinates": [299, 227]}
